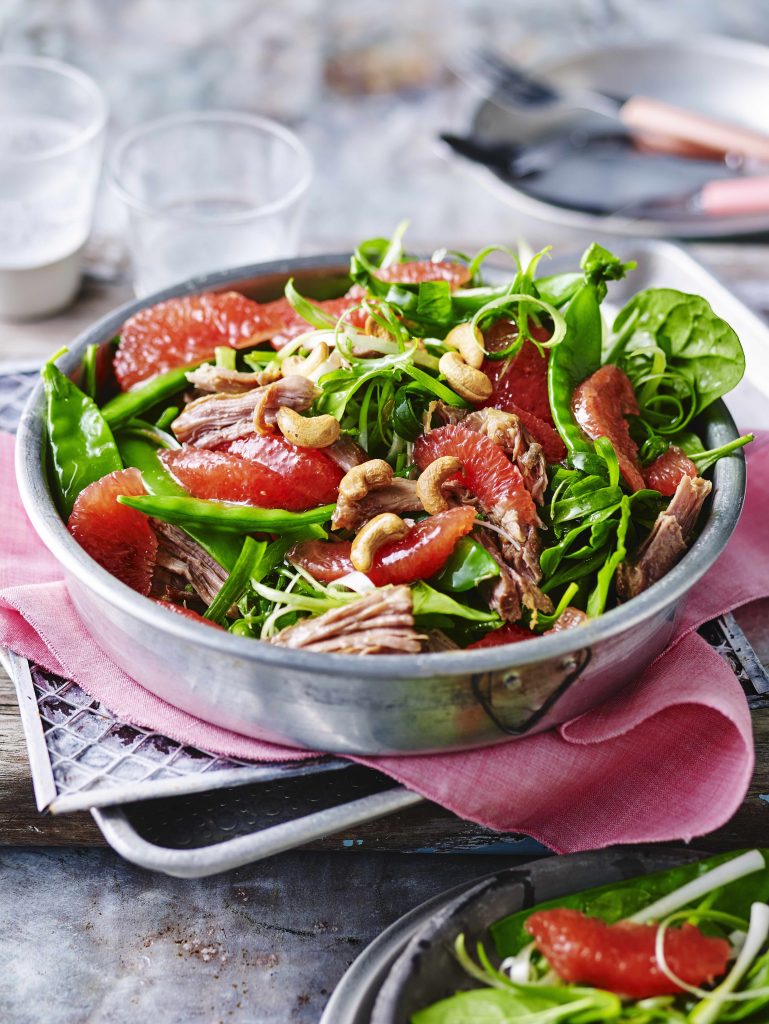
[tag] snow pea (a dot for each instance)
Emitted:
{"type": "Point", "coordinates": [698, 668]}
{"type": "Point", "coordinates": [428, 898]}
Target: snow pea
{"type": "Point", "coordinates": [79, 438]}
{"type": "Point", "coordinates": [132, 403]}
{"type": "Point", "coordinates": [224, 515]}
{"type": "Point", "coordinates": [571, 362]}
{"type": "Point", "coordinates": [235, 585]}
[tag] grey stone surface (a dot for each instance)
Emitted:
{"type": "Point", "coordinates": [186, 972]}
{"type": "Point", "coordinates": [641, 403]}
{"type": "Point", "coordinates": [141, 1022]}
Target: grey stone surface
{"type": "Point", "coordinates": [85, 937]}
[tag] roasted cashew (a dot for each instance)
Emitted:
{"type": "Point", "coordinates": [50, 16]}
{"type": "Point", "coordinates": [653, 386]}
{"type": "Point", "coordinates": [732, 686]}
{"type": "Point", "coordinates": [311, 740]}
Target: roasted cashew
{"type": "Point", "coordinates": [307, 431]}
{"type": "Point", "coordinates": [430, 483]}
{"type": "Point", "coordinates": [305, 367]}
{"type": "Point", "coordinates": [370, 538]}
{"type": "Point", "coordinates": [358, 481]}
{"type": "Point", "coordinates": [468, 341]}
{"type": "Point", "coordinates": [468, 382]}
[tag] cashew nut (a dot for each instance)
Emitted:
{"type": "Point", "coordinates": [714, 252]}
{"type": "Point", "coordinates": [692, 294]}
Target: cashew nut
{"type": "Point", "coordinates": [358, 481]}
{"type": "Point", "coordinates": [307, 431]}
{"type": "Point", "coordinates": [468, 341]}
{"type": "Point", "coordinates": [306, 367]}
{"type": "Point", "coordinates": [430, 483]}
{"type": "Point", "coordinates": [372, 536]}
{"type": "Point", "coordinates": [468, 382]}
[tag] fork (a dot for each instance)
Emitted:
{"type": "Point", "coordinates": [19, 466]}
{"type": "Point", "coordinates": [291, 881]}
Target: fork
{"type": "Point", "coordinates": [660, 126]}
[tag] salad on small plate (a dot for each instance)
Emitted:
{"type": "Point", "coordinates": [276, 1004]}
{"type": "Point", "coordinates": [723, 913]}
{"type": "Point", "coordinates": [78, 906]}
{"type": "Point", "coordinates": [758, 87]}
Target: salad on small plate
{"type": "Point", "coordinates": [433, 461]}
{"type": "Point", "coordinates": [687, 945]}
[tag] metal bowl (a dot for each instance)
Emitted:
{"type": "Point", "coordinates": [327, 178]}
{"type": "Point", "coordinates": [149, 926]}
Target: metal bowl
{"type": "Point", "coordinates": [377, 704]}
{"type": "Point", "coordinates": [680, 72]}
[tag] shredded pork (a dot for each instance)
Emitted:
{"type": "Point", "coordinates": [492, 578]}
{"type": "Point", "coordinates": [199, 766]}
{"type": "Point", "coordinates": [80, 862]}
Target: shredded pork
{"type": "Point", "coordinates": [666, 543]}
{"type": "Point", "coordinates": [396, 496]}
{"type": "Point", "coordinates": [181, 561]}
{"type": "Point", "coordinates": [506, 430]}
{"type": "Point", "coordinates": [516, 586]}
{"type": "Point", "coordinates": [217, 419]}
{"type": "Point", "coordinates": [218, 380]}
{"type": "Point", "coordinates": [382, 622]}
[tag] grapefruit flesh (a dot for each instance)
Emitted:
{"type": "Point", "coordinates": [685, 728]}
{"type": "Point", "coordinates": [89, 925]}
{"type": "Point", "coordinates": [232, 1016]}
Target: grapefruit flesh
{"type": "Point", "coordinates": [186, 330]}
{"type": "Point", "coordinates": [600, 404]}
{"type": "Point", "coordinates": [419, 555]}
{"type": "Point", "coordinates": [507, 634]}
{"type": "Point", "coordinates": [416, 271]}
{"type": "Point", "coordinates": [620, 957]}
{"type": "Point", "coordinates": [665, 473]}
{"type": "Point", "coordinates": [120, 539]}
{"type": "Point", "coordinates": [486, 470]}
{"type": "Point", "coordinates": [187, 613]}
{"type": "Point", "coordinates": [520, 385]}
{"type": "Point", "coordinates": [295, 484]}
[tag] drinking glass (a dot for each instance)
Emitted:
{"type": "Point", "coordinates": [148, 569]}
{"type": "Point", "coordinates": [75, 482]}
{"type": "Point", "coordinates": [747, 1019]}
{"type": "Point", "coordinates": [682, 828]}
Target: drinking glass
{"type": "Point", "coordinates": [52, 120]}
{"type": "Point", "coordinates": [209, 190]}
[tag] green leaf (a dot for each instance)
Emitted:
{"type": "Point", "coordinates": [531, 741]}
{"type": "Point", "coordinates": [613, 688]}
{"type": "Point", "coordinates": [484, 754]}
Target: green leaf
{"type": "Point", "coordinates": [467, 566]}
{"type": "Point", "coordinates": [599, 266]}
{"type": "Point", "coordinates": [408, 410]}
{"type": "Point", "coordinates": [596, 603]}
{"type": "Point", "coordinates": [576, 358]}
{"type": "Point", "coordinates": [434, 303]}
{"type": "Point", "coordinates": [619, 900]}
{"type": "Point", "coordinates": [235, 585]}
{"type": "Point", "coordinates": [427, 601]}
{"type": "Point", "coordinates": [314, 315]}
{"type": "Point", "coordinates": [696, 344]}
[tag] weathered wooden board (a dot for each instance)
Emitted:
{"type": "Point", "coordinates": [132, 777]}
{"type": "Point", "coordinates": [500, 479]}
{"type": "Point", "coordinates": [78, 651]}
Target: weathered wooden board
{"type": "Point", "coordinates": [424, 827]}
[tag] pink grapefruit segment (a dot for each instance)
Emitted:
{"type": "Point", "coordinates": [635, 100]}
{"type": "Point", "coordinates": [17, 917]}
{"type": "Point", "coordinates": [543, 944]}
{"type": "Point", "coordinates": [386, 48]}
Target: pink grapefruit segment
{"type": "Point", "coordinates": [182, 331]}
{"type": "Point", "coordinates": [187, 613]}
{"type": "Point", "coordinates": [120, 539]}
{"type": "Point", "coordinates": [621, 957]}
{"type": "Point", "coordinates": [600, 404]}
{"type": "Point", "coordinates": [486, 470]}
{"type": "Point", "coordinates": [419, 555]}
{"type": "Point", "coordinates": [255, 472]}
{"type": "Point", "coordinates": [665, 473]}
{"type": "Point", "coordinates": [520, 385]}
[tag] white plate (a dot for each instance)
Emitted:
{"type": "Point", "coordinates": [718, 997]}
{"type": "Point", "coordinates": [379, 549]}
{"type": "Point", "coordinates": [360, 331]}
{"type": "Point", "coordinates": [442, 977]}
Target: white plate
{"type": "Point", "coordinates": [725, 78]}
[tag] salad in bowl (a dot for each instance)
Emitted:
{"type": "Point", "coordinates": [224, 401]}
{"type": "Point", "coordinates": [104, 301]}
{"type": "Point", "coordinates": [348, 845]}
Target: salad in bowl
{"type": "Point", "coordinates": [432, 461]}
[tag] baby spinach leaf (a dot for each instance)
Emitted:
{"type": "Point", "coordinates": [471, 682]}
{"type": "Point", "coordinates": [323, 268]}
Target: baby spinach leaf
{"type": "Point", "coordinates": [697, 345]}
{"type": "Point", "coordinates": [427, 601]}
{"type": "Point", "coordinates": [468, 565]}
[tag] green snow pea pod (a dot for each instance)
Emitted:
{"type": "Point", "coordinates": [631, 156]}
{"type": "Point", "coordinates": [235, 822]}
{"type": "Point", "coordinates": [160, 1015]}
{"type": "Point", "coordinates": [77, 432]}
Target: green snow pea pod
{"type": "Point", "coordinates": [224, 515]}
{"type": "Point", "coordinates": [132, 403]}
{"type": "Point", "coordinates": [576, 358]}
{"type": "Point", "coordinates": [79, 438]}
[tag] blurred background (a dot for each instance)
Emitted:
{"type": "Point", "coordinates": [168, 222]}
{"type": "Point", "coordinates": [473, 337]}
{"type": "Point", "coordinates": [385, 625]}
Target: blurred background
{"type": "Point", "coordinates": [364, 84]}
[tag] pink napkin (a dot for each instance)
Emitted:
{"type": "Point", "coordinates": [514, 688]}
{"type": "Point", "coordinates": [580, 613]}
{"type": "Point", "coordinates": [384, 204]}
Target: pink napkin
{"type": "Point", "coordinates": [669, 758]}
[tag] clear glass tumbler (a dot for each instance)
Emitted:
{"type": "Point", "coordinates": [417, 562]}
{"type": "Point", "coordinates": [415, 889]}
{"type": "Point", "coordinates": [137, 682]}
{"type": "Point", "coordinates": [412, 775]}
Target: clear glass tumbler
{"type": "Point", "coordinates": [209, 190]}
{"type": "Point", "coordinates": [52, 120]}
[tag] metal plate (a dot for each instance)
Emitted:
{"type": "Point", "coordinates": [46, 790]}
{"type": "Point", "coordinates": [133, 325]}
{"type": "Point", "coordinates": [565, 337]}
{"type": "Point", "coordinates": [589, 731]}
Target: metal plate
{"type": "Point", "coordinates": [354, 997]}
{"type": "Point", "coordinates": [381, 704]}
{"type": "Point", "coordinates": [680, 72]}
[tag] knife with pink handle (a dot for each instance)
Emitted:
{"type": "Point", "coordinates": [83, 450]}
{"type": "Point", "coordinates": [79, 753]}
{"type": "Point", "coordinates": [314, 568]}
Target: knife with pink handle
{"type": "Point", "coordinates": [663, 126]}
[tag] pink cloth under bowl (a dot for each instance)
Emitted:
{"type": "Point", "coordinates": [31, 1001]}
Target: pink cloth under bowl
{"type": "Point", "coordinates": [670, 757]}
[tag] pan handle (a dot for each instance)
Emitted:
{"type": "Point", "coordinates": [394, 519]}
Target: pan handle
{"type": "Point", "coordinates": [234, 853]}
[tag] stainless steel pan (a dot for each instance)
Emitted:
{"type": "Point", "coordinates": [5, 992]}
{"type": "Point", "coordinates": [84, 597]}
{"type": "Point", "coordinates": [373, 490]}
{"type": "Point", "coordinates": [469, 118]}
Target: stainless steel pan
{"type": "Point", "coordinates": [376, 704]}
